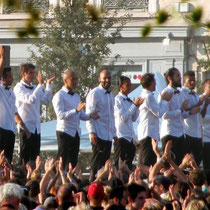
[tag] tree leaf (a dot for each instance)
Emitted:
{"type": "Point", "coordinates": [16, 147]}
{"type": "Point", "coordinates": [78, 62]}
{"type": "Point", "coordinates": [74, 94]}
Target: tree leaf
{"type": "Point", "coordinates": [161, 17]}
{"type": "Point", "coordinates": [146, 30]}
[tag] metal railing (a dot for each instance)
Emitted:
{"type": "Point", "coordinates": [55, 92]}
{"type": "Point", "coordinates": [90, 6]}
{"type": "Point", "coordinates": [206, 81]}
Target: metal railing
{"type": "Point", "coordinates": [128, 4]}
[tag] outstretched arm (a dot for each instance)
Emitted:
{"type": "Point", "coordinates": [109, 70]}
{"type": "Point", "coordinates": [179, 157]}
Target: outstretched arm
{"type": "Point", "coordinates": [1, 60]}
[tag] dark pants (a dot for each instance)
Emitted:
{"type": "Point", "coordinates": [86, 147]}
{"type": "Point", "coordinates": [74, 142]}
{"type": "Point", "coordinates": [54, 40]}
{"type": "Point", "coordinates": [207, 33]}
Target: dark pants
{"type": "Point", "coordinates": [148, 157]}
{"type": "Point", "coordinates": [68, 148]}
{"type": "Point", "coordinates": [206, 156]}
{"type": "Point", "coordinates": [179, 146]}
{"type": "Point", "coordinates": [7, 141]}
{"type": "Point", "coordinates": [124, 150]}
{"type": "Point", "coordinates": [194, 146]}
{"type": "Point", "coordinates": [29, 147]}
{"type": "Point", "coordinates": [101, 153]}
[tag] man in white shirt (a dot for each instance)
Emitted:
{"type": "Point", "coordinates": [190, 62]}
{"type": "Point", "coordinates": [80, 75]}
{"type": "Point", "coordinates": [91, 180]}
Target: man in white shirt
{"type": "Point", "coordinates": [69, 112]}
{"type": "Point", "coordinates": [150, 112]}
{"type": "Point", "coordinates": [172, 127]}
{"type": "Point", "coordinates": [102, 130]}
{"type": "Point", "coordinates": [28, 99]}
{"type": "Point", "coordinates": [192, 124]}
{"type": "Point", "coordinates": [8, 113]}
{"type": "Point", "coordinates": [205, 113]}
{"type": "Point", "coordinates": [126, 112]}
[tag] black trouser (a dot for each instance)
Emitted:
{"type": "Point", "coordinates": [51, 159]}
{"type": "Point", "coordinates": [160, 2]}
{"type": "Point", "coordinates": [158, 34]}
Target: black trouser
{"type": "Point", "coordinates": [101, 153]}
{"type": "Point", "coordinates": [29, 147]}
{"type": "Point", "coordinates": [194, 146]}
{"type": "Point", "coordinates": [149, 157]}
{"type": "Point", "coordinates": [179, 146]}
{"type": "Point", "coordinates": [206, 156]}
{"type": "Point", "coordinates": [7, 141]}
{"type": "Point", "coordinates": [124, 150]}
{"type": "Point", "coordinates": [68, 148]}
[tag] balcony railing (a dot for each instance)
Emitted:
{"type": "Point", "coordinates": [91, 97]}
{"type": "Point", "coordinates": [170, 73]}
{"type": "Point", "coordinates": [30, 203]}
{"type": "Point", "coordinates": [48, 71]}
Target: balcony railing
{"type": "Point", "coordinates": [128, 4]}
{"type": "Point", "coordinates": [38, 4]}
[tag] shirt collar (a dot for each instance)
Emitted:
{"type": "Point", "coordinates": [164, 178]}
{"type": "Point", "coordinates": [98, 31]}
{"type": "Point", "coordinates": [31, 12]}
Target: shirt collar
{"type": "Point", "coordinates": [104, 90]}
{"type": "Point", "coordinates": [147, 91]}
{"type": "Point", "coordinates": [124, 96]}
{"type": "Point", "coordinates": [25, 83]}
{"type": "Point", "coordinates": [65, 89]}
{"type": "Point", "coordinates": [171, 88]}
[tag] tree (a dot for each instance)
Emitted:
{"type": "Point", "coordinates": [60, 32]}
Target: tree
{"type": "Point", "coordinates": [205, 63]}
{"type": "Point", "coordinates": [76, 37]}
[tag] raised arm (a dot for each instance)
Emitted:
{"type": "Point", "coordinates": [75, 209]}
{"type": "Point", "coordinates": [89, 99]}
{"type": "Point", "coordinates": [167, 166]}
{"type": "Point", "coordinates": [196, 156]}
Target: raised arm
{"type": "Point", "coordinates": [1, 60]}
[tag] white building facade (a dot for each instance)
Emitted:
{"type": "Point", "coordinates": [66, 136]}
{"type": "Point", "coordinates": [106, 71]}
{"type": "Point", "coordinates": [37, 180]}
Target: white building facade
{"type": "Point", "coordinates": [172, 44]}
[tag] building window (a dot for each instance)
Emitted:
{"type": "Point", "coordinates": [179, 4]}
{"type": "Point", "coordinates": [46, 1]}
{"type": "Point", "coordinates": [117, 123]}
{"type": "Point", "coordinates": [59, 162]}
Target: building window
{"type": "Point", "coordinates": [128, 4]}
{"type": "Point", "coordinates": [38, 4]}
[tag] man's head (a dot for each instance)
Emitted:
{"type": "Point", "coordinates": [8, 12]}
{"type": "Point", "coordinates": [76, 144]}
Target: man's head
{"type": "Point", "coordinates": [118, 195]}
{"type": "Point", "coordinates": [65, 193]}
{"type": "Point", "coordinates": [197, 178]}
{"type": "Point", "coordinates": [136, 195]}
{"type": "Point", "coordinates": [161, 184]}
{"type": "Point", "coordinates": [10, 195]}
{"type": "Point", "coordinates": [124, 84]}
{"type": "Point", "coordinates": [105, 79]}
{"type": "Point", "coordinates": [70, 79]}
{"type": "Point", "coordinates": [148, 81]}
{"type": "Point", "coordinates": [206, 87]}
{"type": "Point", "coordinates": [95, 194]}
{"type": "Point", "coordinates": [7, 77]}
{"type": "Point", "coordinates": [27, 71]}
{"type": "Point", "coordinates": [189, 80]}
{"type": "Point", "coordinates": [173, 77]}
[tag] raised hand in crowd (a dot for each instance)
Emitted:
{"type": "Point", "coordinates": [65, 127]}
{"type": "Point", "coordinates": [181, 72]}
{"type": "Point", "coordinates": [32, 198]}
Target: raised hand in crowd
{"type": "Point", "coordinates": [51, 78]}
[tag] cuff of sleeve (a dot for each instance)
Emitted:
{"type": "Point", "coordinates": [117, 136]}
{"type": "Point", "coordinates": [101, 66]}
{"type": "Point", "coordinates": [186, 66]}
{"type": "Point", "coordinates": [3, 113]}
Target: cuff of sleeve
{"type": "Point", "coordinates": [49, 86]}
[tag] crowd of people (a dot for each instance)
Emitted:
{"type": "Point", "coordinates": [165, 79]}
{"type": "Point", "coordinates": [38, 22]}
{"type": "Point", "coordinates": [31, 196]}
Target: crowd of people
{"type": "Point", "coordinates": [173, 178]}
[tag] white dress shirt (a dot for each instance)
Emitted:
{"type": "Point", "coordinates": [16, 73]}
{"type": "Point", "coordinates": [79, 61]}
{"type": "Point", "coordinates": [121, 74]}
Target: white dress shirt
{"type": "Point", "coordinates": [8, 109]}
{"type": "Point", "coordinates": [192, 124]}
{"type": "Point", "coordinates": [28, 103]}
{"type": "Point", "coordinates": [103, 103]}
{"type": "Point", "coordinates": [125, 113]}
{"type": "Point", "coordinates": [68, 119]}
{"type": "Point", "coordinates": [206, 124]}
{"type": "Point", "coordinates": [173, 119]}
{"type": "Point", "coordinates": [150, 112]}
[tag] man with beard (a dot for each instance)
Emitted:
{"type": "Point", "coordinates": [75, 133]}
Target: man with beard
{"type": "Point", "coordinates": [172, 127]}
{"type": "Point", "coordinates": [102, 130]}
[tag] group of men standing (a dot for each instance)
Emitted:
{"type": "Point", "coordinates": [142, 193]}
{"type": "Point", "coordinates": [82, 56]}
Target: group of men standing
{"type": "Point", "coordinates": [108, 118]}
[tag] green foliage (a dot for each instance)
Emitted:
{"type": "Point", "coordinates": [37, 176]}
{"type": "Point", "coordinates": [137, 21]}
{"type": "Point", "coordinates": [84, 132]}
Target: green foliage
{"type": "Point", "coordinates": [71, 40]}
{"type": "Point", "coordinates": [195, 16]}
{"type": "Point", "coordinates": [161, 17]}
{"type": "Point", "coordinates": [146, 31]}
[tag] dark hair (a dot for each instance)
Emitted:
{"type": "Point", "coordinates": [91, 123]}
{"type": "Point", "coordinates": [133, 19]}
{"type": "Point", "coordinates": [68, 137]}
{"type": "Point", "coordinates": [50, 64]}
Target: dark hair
{"type": "Point", "coordinates": [162, 180]}
{"type": "Point", "coordinates": [133, 189]}
{"type": "Point", "coordinates": [197, 177]}
{"type": "Point", "coordinates": [122, 79]}
{"type": "Point", "coordinates": [34, 189]}
{"type": "Point", "coordinates": [147, 79]}
{"type": "Point", "coordinates": [170, 74]}
{"type": "Point", "coordinates": [24, 68]}
{"type": "Point", "coordinates": [181, 188]}
{"type": "Point", "coordinates": [189, 74]}
{"type": "Point", "coordinates": [117, 192]}
{"type": "Point", "coordinates": [5, 71]}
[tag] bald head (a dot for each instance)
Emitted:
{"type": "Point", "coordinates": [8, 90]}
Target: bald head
{"type": "Point", "coordinates": [70, 79]}
{"type": "Point", "coordinates": [105, 79]}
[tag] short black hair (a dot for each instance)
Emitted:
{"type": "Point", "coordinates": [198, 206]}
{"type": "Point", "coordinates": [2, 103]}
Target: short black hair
{"type": "Point", "coordinates": [147, 79]}
{"type": "Point", "coordinates": [133, 189]}
{"type": "Point", "coordinates": [117, 192]}
{"type": "Point", "coordinates": [122, 79]}
{"type": "Point", "coordinates": [170, 73]}
{"type": "Point", "coordinates": [5, 71]}
{"type": "Point", "coordinates": [189, 74]}
{"type": "Point", "coordinates": [162, 180]}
